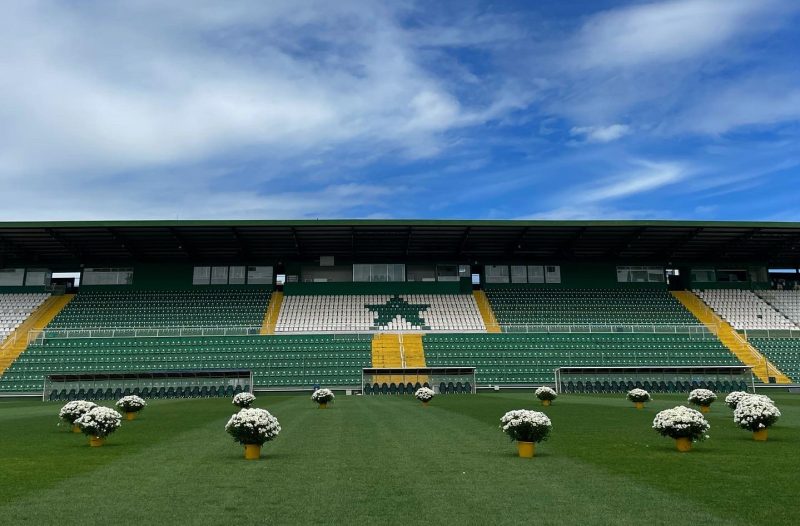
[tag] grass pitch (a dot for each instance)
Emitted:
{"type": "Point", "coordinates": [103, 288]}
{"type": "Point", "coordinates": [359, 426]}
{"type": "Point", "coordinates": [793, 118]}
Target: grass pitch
{"type": "Point", "coordinates": [387, 460]}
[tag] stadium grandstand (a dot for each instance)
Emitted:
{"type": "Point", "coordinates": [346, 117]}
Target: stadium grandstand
{"type": "Point", "coordinates": [171, 308]}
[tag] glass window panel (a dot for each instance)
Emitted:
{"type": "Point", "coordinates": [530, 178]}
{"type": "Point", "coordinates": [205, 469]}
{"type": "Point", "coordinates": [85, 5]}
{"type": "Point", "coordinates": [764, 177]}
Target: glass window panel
{"type": "Point", "coordinates": [535, 274]}
{"type": "Point", "coordinates": [201, 276]}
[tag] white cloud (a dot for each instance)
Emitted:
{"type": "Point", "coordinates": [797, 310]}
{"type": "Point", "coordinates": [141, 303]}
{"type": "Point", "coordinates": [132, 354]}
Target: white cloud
{"type": "Point", "coordinates": [663, 31]}
{"type": "Point", "coordinates": [601, 133]}
{"type": "Point", "coordinates": [154, 197]}
{"type": "Point", "coordinates": [678, 66]}
{"type": "Point", "coordinates": [152, 83]}
{"type": "Point", "coordinates": [754, 101]}
{"type": "Point", "coordinates": [646, 176]}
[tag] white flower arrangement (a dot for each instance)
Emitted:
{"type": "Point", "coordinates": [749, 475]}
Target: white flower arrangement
{"type": "Point", "coordinates": [131, 404]}
{"type": "Point", "coordinates": [765, 398]}
{"type": "Point", "coordinates": [253, 426]}
{"type": "Point", "coordinates": [638, 395]}
{"type": "Point", "coordinates": [322, 396]}
{"type": "Point", "coordinates": [424, 394]}
{"type": "Point", "coordinates": [702, 397]}
{"type": "Point", "coordinates": [75, 409]}
{"type": "Point", "coordinates": [243, 400]}
{"type": "Point", "coordinates": [681, 422]}
{"type": "Point", "coordinates": [525, 425]}
{"type": "Point", "coordinates": [733, 399]}
{"type": "Point", "coordinates": [755, 413]}
{"type": "Point", "coordinates": [99, 422]}
{"type": "Point", "coordinates": [546, 393]}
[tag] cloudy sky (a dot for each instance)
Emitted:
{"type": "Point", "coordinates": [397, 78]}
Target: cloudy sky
{"type": "Point", "coordinates": [251, 109]}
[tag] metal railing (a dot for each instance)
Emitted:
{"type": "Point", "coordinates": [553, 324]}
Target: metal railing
{"type": "Point", "coordinates": [37, 336]}
{"type": "Point", "coordinates": [608, 329]}
{"type": "Point", "coordinates": [757, 356]}
{"type": "Point", "coordinates": [771, 333]}
{"type": "Point", "coordinates": [9, 341]}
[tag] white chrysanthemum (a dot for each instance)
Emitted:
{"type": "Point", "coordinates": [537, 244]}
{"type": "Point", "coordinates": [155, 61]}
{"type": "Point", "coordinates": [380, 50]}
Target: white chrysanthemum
{"type": "Point", "coordinates": [765, 398]}
{"type": "Point", "coordinates": [75, 409]}
{"type": "Point", "coordinates": [99, 421]}
{"type": "Point", "coordinates": [525, 425]}
{"type": "Point", "coordinates": [546, 393]}
{"type": "Point", "coordinates": [253, 426]}
{"type": "Point", "coordinates": [702, 397]}
{"type": "Point", "coordinates": [131, 404]}
{"type": "Point", "coordinates": [424, 394]}
{"type": "Point", "coordinates": [243, 399]}
{"type": "Point", "coordinates": [733, 399]}
{"type": "Point", "coordinates": [322, 396]}
{"type": "Point", "coordinates": [755, 413]}
{"type": "Point", "coordinates": [681, 422]}
{"type": "Point", "coordinates": [638, 395]}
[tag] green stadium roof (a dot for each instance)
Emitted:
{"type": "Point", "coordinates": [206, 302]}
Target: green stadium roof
{"type": "Point", "coordinates": [114, 242]}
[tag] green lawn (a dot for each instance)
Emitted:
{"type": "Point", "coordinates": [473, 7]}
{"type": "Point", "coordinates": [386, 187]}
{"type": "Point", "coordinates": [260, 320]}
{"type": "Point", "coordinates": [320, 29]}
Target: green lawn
{"type": "Point", "coordinates": [387, 460]}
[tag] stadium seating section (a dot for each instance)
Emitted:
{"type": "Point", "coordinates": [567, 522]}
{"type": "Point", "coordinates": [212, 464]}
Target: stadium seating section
{"type": "Point", "coordinates": [524, 358]}
{"type": "Point", "coordinates": [744, 310]}
{"type": "Point", "coordinates": [787, 302]}
{"type": "Point", "coordinates": [195, 308]}
{"type": "Point", "coordinates": [586, 306]}
{"type": "Point", "coordinates": [356, 313]}
{"type": "Point", "coordinates": [455, 334]}
{"type": "Point", "coordinates": [15, 308]}
{"type": "Point", "coordinates": [783, 352]}
{"type": "Point", "coordinates": [276, 361]}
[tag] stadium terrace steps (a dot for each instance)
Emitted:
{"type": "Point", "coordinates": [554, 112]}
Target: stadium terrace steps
{"type": "Point", "coordinates": [387, 352]}
{"type": "Point", "coordinates": [485, 309]}
{"type": "Point", "coordinates": [787, 302]}
{"type": "Point", "coordinates": [520, 306]}
{"type": "Point", "coordinates": [413, 351]}
{"type": "Point", "coordinates": [15, 308]}
{"type": "Point", "coordinates": [744, 310]}
{"type": "Point", "coordinates": [513, 358]}
{"type": "Point", "coordinates": [273, 311]}
{"type": "Point", "coordinates": [737, 345]}
{"type": "Point", "coordinates": [17, 341]}
{"type": "Point", "coordinates": [160, 308]}
{"type": "Point", "coordinates": [379, 313]}
{"type": "Point", "coordinates": [276, 361]}
{"type": "Point", "coordinates": [783, 352]}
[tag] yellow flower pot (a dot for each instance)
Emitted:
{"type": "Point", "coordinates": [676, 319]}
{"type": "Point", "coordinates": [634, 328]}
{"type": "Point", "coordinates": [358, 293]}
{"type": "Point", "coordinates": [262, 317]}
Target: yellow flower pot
{"type": "Point", "coordinates": [705, 409]}
{"type": "Point", "coordinates": [130, 415]}
{"type": "Point", "coordinates": [252, 451]}
{"type": "Point", "coordinates": [683, 444]}
{"type": "Point", "coordinates": [639, 405]}
{"type": "Point", "coordinates": [760, 435]}
{"type": "Point", "coordinates": [76, 428]}
{"type": "Point", "coordinates": [425, 403]}
{"type": "Point", "coordinates": [526, 449]}
{"type": "Point", "coordinates": [96, 441]}
{"type": "Point", "coordinates": [545, 403]}
{"type": "Point", "coordinates": [323, 405]}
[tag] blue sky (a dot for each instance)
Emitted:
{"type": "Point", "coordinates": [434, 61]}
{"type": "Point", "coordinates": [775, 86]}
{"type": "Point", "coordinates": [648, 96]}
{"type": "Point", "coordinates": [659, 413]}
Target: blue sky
{"type": "Point", "coordinates": [680, 109]}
